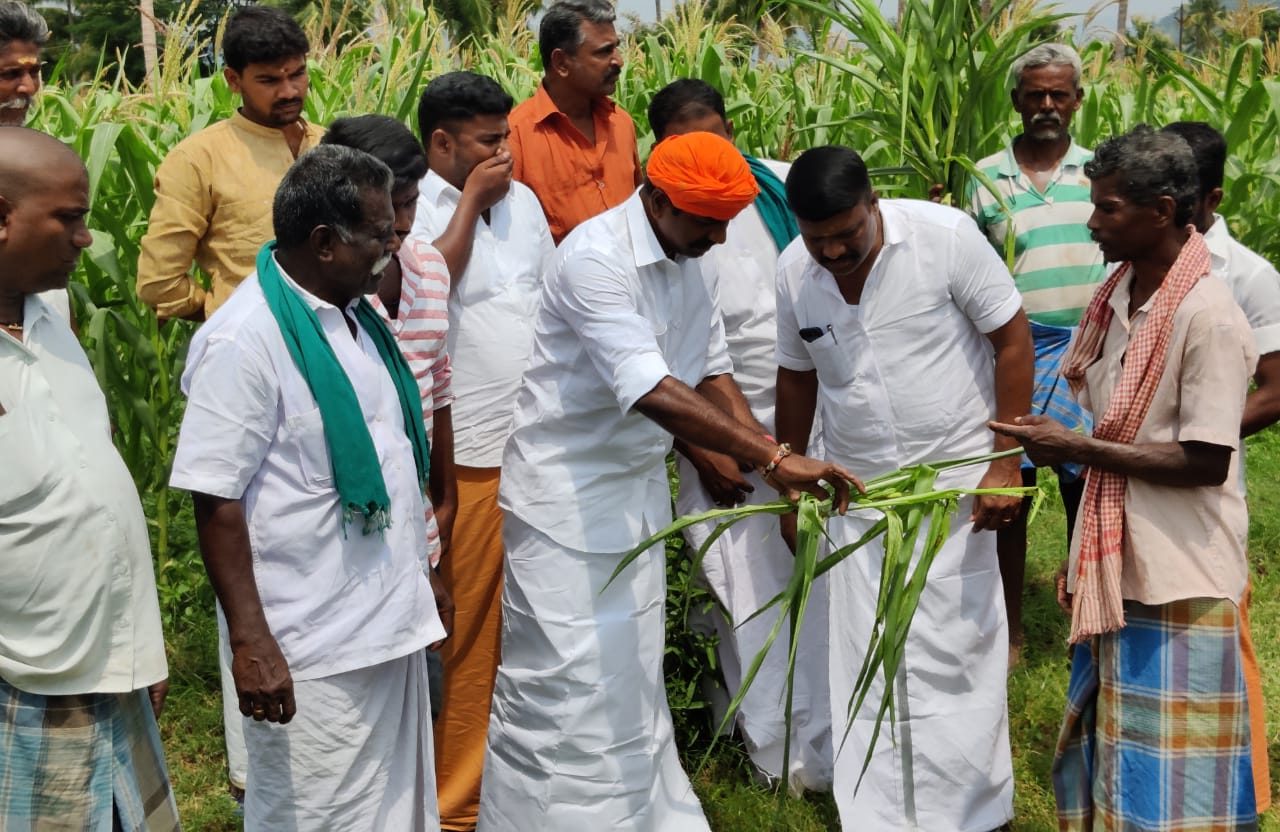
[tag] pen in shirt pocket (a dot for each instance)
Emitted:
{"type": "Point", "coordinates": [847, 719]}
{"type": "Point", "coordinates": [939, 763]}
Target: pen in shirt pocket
{"type": "Point", "coordinates": [813, 333]}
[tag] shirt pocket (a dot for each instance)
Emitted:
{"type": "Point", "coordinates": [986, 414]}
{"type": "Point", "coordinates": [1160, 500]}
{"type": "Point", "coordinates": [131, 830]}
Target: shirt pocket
{"type": "Point", "coordinates": [836, 367]}
{"type": "Point", "coordinates": [306, 432]}
{"type": "Point", "coordinates": [30, 461]}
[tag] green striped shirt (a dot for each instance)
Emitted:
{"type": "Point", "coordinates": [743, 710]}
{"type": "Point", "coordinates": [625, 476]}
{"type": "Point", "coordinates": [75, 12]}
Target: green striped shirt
{"type": "Point", "coordinates": [1055, 263]}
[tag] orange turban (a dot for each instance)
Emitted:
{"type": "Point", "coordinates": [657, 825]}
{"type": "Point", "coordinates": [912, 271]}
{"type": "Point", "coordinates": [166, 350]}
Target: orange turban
{"type": "Point", "coordinates": [702, 174]}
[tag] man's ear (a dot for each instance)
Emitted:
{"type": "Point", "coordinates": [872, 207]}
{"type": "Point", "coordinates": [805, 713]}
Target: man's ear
{"type": "Point", "coordinates": [1165, 208]}
{"type": "Point", "coordinates": [1213, 199]}
{"type": "Point", "coordinates": [559, 62]}
{"type": "Point", "coordinates": [6, 218]}
{"type": "Point", "coordinates": [232, 78]}
{"type": "Point", "coordinates": [728, 128]}
{"type": "Point", "coordinates": [440, 141]}
{"type": "Point", "coordinates": [323, 240]}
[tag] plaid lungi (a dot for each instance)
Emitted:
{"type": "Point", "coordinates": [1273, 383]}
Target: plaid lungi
{"type": "Point", "coordinates": [78, 762]}
{"type": "Point", "coordinates": [1156, 735]}
{"type": "Point", "coordinates": [1051, 395]}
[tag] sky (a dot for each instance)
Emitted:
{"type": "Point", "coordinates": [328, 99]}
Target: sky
{"type": "Point", "coordinates": [1154, 9]}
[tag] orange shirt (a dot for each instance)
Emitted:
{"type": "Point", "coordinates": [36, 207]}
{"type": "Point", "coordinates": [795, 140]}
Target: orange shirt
{"type": "Point", "coordinates": [574, 180]}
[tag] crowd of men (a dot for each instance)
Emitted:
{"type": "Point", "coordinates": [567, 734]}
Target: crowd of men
{"type": "Point", "coordinates": [430, 405]}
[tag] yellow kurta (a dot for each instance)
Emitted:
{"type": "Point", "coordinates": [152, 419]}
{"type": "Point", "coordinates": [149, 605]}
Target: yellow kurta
{"type": "Point", "coordinates": [213, 206]}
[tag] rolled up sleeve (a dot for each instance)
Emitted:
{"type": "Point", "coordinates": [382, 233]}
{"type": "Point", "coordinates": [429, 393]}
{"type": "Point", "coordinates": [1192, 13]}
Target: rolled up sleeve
{"type": "Point", "coordinates": [179, 220]}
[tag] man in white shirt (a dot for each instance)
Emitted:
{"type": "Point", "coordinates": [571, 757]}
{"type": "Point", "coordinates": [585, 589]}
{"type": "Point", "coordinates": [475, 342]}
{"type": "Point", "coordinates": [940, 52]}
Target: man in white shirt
{"type": "Point", "coordinates": [304, 447]}
{"type": "Point", "coordinates": [750, 564]}
{"type": "Point", "coordinates": [629, 349]}
{"type": "Point", "coordinates": [495, 240]}
{"type": "Point", "coordinates": [82, 664]}
{"type": "Point", "coordinates": [1255, 286]}
{"type": "Point", "coordinates": [901, 327]}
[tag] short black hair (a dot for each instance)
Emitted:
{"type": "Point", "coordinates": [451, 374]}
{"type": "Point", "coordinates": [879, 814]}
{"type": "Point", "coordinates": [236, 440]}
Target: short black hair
{"type": "Point", "coordinates": [261, 35]}
{"type": "Point", "coordinates": [20, 22]}
{"type": "Point", "coordinates": [459, 96]}
{"type": "Point", "coordinates": [1208, 146]}
{"type": "Point", "coordinates": [324, 187]}
{"type": "Point", "coordinates": [1149, 165]}
{"type": "Point", "coordinates": [387, 140]}
{"type": "Point", "coordinates": [825, 181]}
{"type": "Point", "coordinates": [561, 26]}
{"type": "Point", "coordinates": [681, 99]}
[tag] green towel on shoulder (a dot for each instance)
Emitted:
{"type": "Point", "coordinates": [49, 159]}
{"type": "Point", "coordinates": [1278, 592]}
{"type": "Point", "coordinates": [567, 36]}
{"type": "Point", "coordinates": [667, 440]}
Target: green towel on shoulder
{"type": "Point", "coordinates": [357, 474]}
{"type": "Point", "coordinates": [772, 204]}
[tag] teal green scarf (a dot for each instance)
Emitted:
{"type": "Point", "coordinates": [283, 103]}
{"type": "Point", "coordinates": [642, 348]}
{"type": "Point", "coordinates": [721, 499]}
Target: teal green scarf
{"type": "Point", "coordinates": [357, 474]}
{"type": "Point", "coordinates": [772, 204]}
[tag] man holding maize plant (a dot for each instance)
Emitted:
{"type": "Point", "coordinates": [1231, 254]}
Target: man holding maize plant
{"type": "Point", "coordinates": [750, 564]}
{"type": "Point", "coordinates": [214, 190]}
{"type": "Point", "coordinates": [1156, 734]}
{"type": "Point", "coordinates": [899, 326]}
{"type": "Point", "coordinates": [629, 349]}
{"type": "Point", "coordinates": [570, 142]}
{"type": "Point", "coordinates": [1034, 210]}
{"type": "Point", "coordinates": [494, 238]}
{"type": "Point", "coordinates": [304, 447]}
{"type": "Point", "coordinates": [82, 662]}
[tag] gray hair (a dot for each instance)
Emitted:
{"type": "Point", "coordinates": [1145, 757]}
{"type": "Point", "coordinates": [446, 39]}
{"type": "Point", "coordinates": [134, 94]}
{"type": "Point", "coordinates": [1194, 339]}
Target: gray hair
{"type": "Point", "coordinates": [324, 188]}
{"type": "Point", "coordinates": [1150, 165]}
{"type": "Point", "coordinates": [561, 26]}
{"type": "Point", "coordinates": [1048, 54]}
{"type": "Point", "coordinates": [20, 22]}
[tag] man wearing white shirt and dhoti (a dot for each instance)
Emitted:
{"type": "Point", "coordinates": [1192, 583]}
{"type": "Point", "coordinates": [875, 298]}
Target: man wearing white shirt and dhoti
{"type": "Point", "coordinates": [628, 349]}
{"type": "Point", "coordinates": [305, 449]}
{"type": "Point", "coordinates": [900, 326]}
{"type": "Point", "coordinates": [750, 564]}
{"type": "Point", "coordinates": [495, 240]}
{"type": "Point", "coordinates": [82, 664]}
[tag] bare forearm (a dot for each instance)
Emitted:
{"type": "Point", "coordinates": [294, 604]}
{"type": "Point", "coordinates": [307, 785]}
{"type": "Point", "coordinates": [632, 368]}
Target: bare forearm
{"type": "Point", "coordinates": [1262, 407]}
{"type": "Point", "coordinates": [688, 416]}
{"type": "Point", "coordinates": [1014, 374]}
{"type": "Point", "coordinates": [1177, 464]}
{"type": "Point", "coordinates": [442, 485]}
{"type": "Point", "coordinates": [724, 393]}
{"type": "Point", "coordinates": [224, 545]}
{"type": "Point", "coordinates": [797, 399]}
{"type": "Point", "coordinates": [456, 242]}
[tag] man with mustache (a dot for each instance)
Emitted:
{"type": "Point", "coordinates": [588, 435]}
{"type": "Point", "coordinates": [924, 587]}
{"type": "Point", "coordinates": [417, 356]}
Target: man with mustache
{"type": "Point", "coordinates": [572, 145]}
{"type": "Point", "coordinates": [22, 32]}
{"type": "Point", "coordinates": [304, 447]}
{"type": "Point", "coordinates": [1037, 201]}
{"type": "Point", "coordinates": [214, 190]}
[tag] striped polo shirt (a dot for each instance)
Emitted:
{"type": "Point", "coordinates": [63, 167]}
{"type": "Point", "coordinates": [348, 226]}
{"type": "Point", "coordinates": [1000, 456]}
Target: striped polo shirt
{"type": "Point", "coordinates": [1055, 263]}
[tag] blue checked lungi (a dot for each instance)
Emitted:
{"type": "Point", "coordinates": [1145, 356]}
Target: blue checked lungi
{"type": "Point", "coordinates": [1052, 395]}
{"type": "Point", "coordinates": [80, 762]}
{"type": "Point", "coordinates": [1156, 735]}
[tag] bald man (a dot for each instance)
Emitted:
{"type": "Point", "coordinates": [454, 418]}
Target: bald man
{"type": "Point", "coordinates": [82, 664]}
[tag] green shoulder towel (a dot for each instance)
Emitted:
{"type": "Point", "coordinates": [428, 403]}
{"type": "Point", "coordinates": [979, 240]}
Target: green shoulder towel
{"type": "Point", "coordinates": [357, 474]}
{"type": "Point", "coordinates": [772, 204]}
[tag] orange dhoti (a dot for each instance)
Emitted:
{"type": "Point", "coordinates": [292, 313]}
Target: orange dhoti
{"type": "Point", "coordinates": [1257, 709]}
{"type": "Point", "coordinates": [473, 573]}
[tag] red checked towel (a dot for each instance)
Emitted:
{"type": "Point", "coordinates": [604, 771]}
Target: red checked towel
{"type": "Point", "coordinates": [1097, 606]}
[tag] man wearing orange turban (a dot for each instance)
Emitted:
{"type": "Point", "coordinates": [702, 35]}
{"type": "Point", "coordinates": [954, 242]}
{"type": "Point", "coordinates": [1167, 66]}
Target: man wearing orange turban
{"type": "Point", "coordinates": [629, 349]}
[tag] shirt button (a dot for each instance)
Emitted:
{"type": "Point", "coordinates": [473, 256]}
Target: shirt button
{"type": "Point", "coordinates": [600, 184]}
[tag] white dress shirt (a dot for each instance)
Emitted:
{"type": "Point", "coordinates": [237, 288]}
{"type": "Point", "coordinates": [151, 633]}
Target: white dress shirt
{"type": "Point", "coordinates": [78, 607]}
{"type": "Point", "coordinates": [335, 599]}
{"type": "Point", "coordinates": [617, 316]}
{"type": "Point", "coordinates": [905, 375]}
{"type": "Point", "coordinates": [491, 309]}
{"type": "Point", "coordinates": [1254, 283]}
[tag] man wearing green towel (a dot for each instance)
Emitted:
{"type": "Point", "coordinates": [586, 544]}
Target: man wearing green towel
{"type": "Point", "coordinates": [304, 448]}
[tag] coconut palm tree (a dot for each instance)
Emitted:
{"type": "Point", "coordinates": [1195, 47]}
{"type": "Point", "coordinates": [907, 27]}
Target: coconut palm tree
{"type": "Point", "coordinates": [1202, 22]}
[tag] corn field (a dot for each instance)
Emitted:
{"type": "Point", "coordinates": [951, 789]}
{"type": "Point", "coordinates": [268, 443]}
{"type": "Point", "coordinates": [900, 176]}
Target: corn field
{"type": "Point", "coordinates": [921, 101]}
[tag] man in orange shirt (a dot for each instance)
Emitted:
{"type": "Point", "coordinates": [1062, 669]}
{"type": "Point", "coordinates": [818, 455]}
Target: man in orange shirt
{"type": "Point", "coordinates": [572, 145]}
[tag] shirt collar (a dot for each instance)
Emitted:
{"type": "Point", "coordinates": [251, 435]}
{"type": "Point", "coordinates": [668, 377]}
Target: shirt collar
{"type": "Point", "coordinates": [1075, 157]}
{"type": "Point", "coordinates": [644, 242]}
{"type": "Point", "coordinates": [239, 122]}
{"type": "Point", "coordinates": [544, 108]}
{"type": "Point", "coordinates": [317, 305]}
{"type": "Point", "coordinates": [434, 188]}
{"type": "Point", "coordinates": [1218, 240]}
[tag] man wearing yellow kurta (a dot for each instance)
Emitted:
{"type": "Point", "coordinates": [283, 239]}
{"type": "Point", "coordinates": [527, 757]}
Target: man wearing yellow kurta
{"type": "Point", "coordinates": [214, 190]}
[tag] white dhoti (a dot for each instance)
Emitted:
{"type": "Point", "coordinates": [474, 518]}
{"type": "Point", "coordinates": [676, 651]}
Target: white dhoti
{"type": "Point", "coordinates": [945, 766]}
{"type": "Point", "coordinates": [580, 736]}
{"type": "Point", "coordinates": [746, 567]}
{"type": "Point", "coordinates": [232, 719]}
{"type": "Point", "coordinates": [358, 755]}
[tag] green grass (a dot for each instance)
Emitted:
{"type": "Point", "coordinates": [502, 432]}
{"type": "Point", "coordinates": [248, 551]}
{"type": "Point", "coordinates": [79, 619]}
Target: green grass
{"type": "Point", "coordinates": [733, 801]}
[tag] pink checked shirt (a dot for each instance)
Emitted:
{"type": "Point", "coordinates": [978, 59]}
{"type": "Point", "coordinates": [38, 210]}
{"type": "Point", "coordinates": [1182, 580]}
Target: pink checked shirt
{"type": "Point", "coordinates": [421, 326]}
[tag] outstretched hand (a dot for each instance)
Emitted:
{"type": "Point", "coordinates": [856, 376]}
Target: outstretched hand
{"type": "Point", "coordinates": [1047, 442]}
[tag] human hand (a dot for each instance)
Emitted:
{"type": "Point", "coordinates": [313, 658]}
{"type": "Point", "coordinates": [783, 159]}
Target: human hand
{"type": "Point", "coordinates": [445, 514]}
{"type": "Point", "coordinates": [1046, 441]}
{"type": "Point", "coordinates": [262, 678]}
{"type": "Point", "coordinates": [992, 512]}
{"type": "Point", "coordinates": [1060, 584]}
{"type": "Point", "coordinates": [489, 181]}
{"type": "Point", "coordinates": [720, 475]}
{"type": "Point", "coordinates": [444, 606]}
{"type": "Point", "coordinates": [936, 190]}
{"type": "Point", "coordinates": [157, 693]}
{"type": "Point", "coordinates": [796, 473]}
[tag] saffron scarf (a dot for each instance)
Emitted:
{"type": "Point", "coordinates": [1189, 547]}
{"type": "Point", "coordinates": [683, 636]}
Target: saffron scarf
{"type": "Point", "coordinates": [357, 473]}
{"type": "Point", "coordinates": [1097, 605]}
{"type": "Point", "coordinates": [772, 204]}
